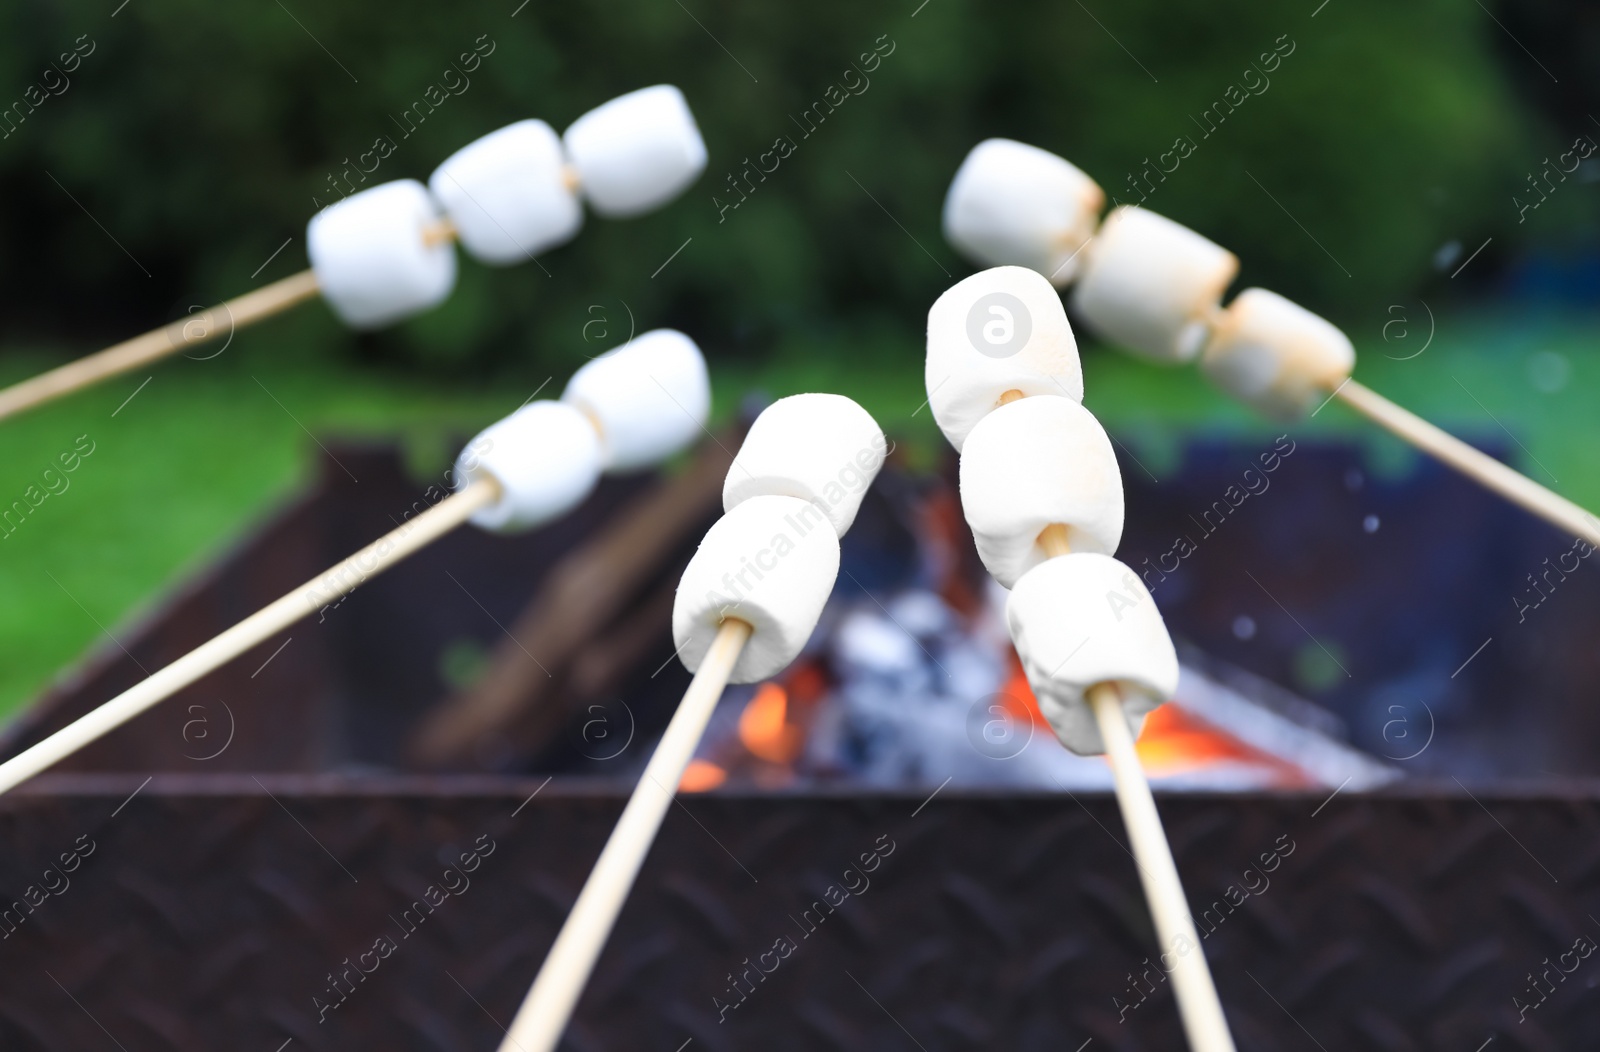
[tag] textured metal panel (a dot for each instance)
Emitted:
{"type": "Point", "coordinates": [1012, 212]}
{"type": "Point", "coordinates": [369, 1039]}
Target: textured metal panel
{"type": "Point", "coordinates": [210, 914]}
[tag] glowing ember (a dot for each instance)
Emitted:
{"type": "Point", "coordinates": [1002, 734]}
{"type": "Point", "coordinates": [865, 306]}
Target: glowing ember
{"type": "Point", "coordinates": [1018, 699]}
{"type": "Point", "coordinates": [764, 728]}
{"type": "Point", "coordinates": [1172, 742]}
{"type": "Point", "coordinates": [701, 776]}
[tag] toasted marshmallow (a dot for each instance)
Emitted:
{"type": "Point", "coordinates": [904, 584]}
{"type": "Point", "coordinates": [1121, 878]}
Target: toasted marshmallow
{"type": "Point", "coordinates": [372, 257]}
{"type": "Point", "coordinates": [1275, 355]}
{"type": "Point", "coordinates": [648, 398]}
{"type": "Point", "coordinates": [1082, 619]}
{"type": "Point", "coordinates": [636, 152]}
{"type": "Point", "coordinates": [1034, 463]}
{"type": "Point", "coordinates": [821, 448]}
{"type": "Point", "coordinates": [1152, 286]}
{"type": "Point", "coordinates": [546, 458]}
{"type": "Point", "coordinates": [1014, 204]}
{"type": "Point", "coordinates": [508, 195]}
{"type": "Point", "coordinates": [998, 331]}
{"type": "Point", "coordinates": [758, 564]}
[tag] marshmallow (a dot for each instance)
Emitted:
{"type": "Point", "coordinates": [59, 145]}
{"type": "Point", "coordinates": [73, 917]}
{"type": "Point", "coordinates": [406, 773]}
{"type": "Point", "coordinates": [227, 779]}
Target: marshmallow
{"type": "Point", "coordinates": [372, 264]}
{"type": "Point", "coordinates": [648, 398]}
{"type": "Point", "coordinates": [1011, 203]}
{"type": "Point", "coordinates": [762, 564]}
{"type": "Point", "coordinates": [1276, 355]}
{"type": "Point", "coordinates": [999, 330]}
{"type": "Point", "coordinates": [546, 457]}
{"type": "Point", "coordinates": [1083, 619]}
{"type": "Point", "coordinates": [821, 448]}
{"type": "Point", "coordinates": [1032, 463]}
{"type": "Point", "coordinates": [507, 194]}
{"type": "Point", "coordinates": [1152, 285]}
{"type": "Point", "coordinates": [636, 152]}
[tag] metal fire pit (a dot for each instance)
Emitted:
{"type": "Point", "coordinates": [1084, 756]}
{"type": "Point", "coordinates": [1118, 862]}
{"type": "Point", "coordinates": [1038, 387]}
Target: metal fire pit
{"type": "Point", "coordinates": [251, 865]}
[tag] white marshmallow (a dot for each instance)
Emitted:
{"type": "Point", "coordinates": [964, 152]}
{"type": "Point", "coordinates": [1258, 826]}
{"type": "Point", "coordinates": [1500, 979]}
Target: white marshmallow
{"type": "Point", "coordinates": [999, 330]}
{"type": "Point", "coordinates": [372, 264]}
{"type": "Point", "coordinates": [822, 448]}
{"type": "Point", "coordinates": [1276, 355]}
{"type": "Point", "coordinates": [507, 194]}
{"type": "Point", "coordinates": [648, 398]}
{"type": "Point", "coordinates": [1011, 203]}
{"type": "Point", "coordinates": [1152, 285]}
{"type": "Point", "coordinates": [1083, 619]}
{"type": "Point", "coordinates": [762, 564]}
{"type": "Point", "coordinates": [1032, 463]}
{"type": "Point", "coordinates": [546, 458]}
{"type": "Point", "coordinates": [636, 152]}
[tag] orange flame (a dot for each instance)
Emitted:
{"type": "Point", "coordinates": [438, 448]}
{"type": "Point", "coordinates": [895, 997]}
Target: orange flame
{"type": "Point", "coordinates": [1173, 740]}
{"type": "Point", "coordinates": [701, 776]}
{"type": "Point", "coordinates": [1017, 697]}
{"type": "Point", "coordinates": [764, 728]}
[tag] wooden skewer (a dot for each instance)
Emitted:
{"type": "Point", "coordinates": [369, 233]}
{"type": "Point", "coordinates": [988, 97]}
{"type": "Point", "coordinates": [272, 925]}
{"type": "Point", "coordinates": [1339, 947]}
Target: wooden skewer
{"type": "Point", "coordinates": [1484, 469]}
{"type": "Point", "coordinates": [181, 335]}
{"type": "Point", "coordinates": [439, 232]}
{"type": "Point", "coordinates": [543, 1016]}
{"type": "Point", "coordinates": [253, 630]}
{"type": "Point", "coordinates": [1198, 1003]}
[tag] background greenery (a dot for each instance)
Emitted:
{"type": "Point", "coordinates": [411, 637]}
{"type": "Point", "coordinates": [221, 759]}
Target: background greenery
{"type": "Point", "coordinates": [197, 139]}
{"type": "Point", "coordinates": [198, 135]}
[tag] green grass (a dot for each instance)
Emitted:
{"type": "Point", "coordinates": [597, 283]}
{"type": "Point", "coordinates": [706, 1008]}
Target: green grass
{"type": "Point", "coordinates": [202, 452]}
{"type": "Point", "coordinates": [205, 450]}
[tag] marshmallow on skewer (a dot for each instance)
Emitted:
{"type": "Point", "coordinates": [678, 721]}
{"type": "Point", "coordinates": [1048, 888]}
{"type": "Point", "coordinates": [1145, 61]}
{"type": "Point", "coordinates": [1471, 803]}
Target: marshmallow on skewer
{"type": "Point", "coordinates": [748, 601]}
{"type": "Point", "coordinates": [384, 254]}
{"type": "Point", "coordinates": [523, 471]}
{"type": "Point", "coordinates": [373, 260]}
{"type": "Point", "coordinates": [1034, 463]}
{"type": "Point", "coordinates": [1011, 203]}
{"type": "Point", "coordinates": [1096, 671]}
{"type": "Point", "coordinates": [822, 448]}
{"type": "Point", "coordinates": [1044, 463]}
{"type": "Point", "coordinates": [1152, 285]}
{"type": "Point", "coordinates": [648, 399]}
{"type": "Point", "coordinates": [998, 331]}
{"type": "Point", "coordinates": [379, 256]}
{"type": "Point", "coordinates": [636, 152]}
{"type": "Point", "coordinates": [763, 564]}
{"type": "Point", "coordinates": [1082, 619]}
{"type": "Point", "coordinates": [771, 560]}
{"type": "Point", "coordinates": [631, 407]}
{"type": "Point", "coordinates": [509, 194]}
{"type": "Point", "coordinates": [546, 457]}
{"type": "Point", "coordinates": [1275, 355]}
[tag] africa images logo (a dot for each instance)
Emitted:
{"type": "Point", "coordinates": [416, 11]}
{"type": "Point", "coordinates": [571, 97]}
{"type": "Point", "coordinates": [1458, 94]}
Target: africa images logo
{"type": "Point", "coordinates": [998, 325]}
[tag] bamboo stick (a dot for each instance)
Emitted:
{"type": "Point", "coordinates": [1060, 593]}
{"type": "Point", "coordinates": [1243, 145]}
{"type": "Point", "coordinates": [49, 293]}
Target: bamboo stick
{"type": "Point", "coordinates": [1198, 1004]}
{"type": "Point", "coordinates": [253, 630]}
{"type": "Point", "coordinates": [181, 335]}
{"type": "Point", "coordinates": [543, 1017]}
{"type": "Point", "coordinates": [1480, 467]}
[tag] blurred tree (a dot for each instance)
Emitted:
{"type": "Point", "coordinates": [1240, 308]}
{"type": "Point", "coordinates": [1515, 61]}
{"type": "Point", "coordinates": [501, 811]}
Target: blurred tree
{"type": "Point", "coordinates": [196, 138]}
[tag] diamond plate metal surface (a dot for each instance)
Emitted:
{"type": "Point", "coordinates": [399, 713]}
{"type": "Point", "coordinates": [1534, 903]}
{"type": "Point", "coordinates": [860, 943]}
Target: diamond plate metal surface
{"type": "Point", "coordinates": [211, 914]}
